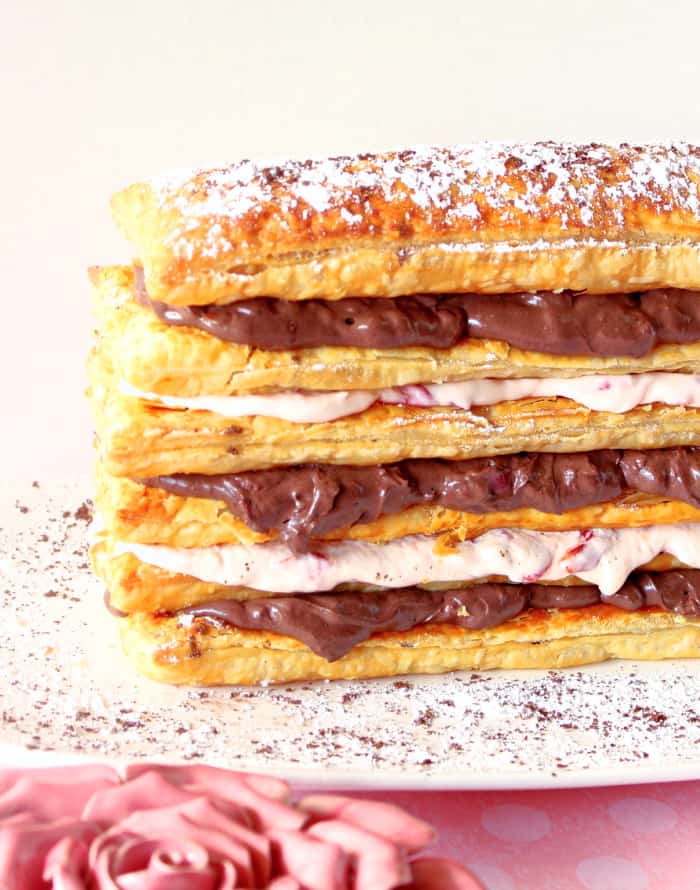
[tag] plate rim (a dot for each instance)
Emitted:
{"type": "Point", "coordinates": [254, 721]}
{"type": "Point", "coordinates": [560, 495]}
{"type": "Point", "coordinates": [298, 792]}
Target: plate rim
{"type": "Point", "coordinates": [20, 757]}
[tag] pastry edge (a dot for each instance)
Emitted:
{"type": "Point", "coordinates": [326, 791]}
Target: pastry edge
{"type": "Point", "coordinates": [542, 640]}
{"type": "Point", "coordinates": [171, 360]}
{"type": "Point", "coordinates": [447, 267]}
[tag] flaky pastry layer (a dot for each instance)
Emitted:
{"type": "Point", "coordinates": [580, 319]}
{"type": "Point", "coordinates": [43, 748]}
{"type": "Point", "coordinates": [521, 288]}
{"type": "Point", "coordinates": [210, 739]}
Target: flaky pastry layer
{"type": "Point", "coordinates": [159, 358]}
{"type": "Point", "coordinates": [488, 217]}
{"type": "Point", "coordinates": [147, 515]}
{"type": "Point", "coordinates": [206, 654]}
{"type": "Point", "coordinates": [137, 439]}
{"type": "Point", "coordinates": [136, 586]}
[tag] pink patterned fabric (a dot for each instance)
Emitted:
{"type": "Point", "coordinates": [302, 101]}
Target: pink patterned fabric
{"type": "Point", "coordinates": [200, 828]}
{"type": "Point", "coordinates": [633, 837]}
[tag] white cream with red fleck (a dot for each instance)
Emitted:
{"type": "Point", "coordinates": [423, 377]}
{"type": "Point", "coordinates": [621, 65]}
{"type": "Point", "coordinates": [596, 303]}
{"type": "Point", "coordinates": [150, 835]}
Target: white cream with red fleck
{"type": "Point", "coordinates": [602, 556]}
{"type": "Point", "coordinates": [615, 393]}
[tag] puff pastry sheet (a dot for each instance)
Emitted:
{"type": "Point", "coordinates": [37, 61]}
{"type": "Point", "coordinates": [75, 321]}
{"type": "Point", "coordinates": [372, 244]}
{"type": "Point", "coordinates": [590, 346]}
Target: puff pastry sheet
{"type": "Point", "coordinates": [147, 515]}
{"type": "Point", "coordinates": [136, 586]}
{"type": "Point", "coordinates": [205, 654]}
{"type": "Point", "coordinates": [156, 357]}
{"type": "Point", "coordinates": [489, 217]}
{"type": "Point", "coordinates": [138, 439]}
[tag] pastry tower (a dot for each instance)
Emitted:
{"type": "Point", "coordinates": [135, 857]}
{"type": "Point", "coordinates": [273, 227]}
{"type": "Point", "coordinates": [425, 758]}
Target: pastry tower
{"type": "Point", "coordinates": [402, 413]}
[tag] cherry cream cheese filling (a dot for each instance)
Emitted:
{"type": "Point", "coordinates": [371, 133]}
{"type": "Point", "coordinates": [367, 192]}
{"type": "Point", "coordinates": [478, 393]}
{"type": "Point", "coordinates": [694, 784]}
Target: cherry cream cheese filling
{"type": "Point", "coordinates": [601, 557]}
{"type": "Point", "coordinates": [614, 393]}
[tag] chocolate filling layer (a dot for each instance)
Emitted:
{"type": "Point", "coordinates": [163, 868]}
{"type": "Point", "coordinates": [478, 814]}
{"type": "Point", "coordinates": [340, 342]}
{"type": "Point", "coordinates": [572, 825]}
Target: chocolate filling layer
{"type": "Point", "coordinates": [330, 624]}
{"type": "Point", "coordinates": [558, 323]}
{"type": "Point", "coordinates": [309, 501]}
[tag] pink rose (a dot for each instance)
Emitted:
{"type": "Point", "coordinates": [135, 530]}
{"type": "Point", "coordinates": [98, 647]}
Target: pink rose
{"type": "Point", "coordinates": [201, 828]}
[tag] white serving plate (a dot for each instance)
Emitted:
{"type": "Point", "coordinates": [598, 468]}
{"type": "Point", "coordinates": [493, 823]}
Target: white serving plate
{"type": "Point", "coordinates": [67, 693]}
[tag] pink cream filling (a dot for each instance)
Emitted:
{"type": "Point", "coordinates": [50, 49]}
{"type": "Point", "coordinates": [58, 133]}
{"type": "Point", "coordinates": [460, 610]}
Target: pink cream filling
{"type": "Point", "coordinates": [604, 557]}
{"type": "Point", "coordinates": [615, 393]}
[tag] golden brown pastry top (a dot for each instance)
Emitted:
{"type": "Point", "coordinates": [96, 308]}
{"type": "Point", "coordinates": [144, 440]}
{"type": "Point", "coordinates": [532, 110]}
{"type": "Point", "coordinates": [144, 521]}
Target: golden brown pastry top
{"type": "Point", "coordinates": [490, 217]}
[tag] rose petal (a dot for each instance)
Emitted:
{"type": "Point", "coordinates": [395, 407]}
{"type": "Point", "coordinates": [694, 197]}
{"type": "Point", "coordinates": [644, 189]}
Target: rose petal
{"type": "Point", "coordinates": [200, 774]}
{"type": "Point", "coordinates": [185, 879]}
{"type": "Point", "coordinates": [236, 822]}
{"type": "Point", "coordinates": [46, 801]}
{"type": "Point", "coordinates": [170, 876]}
{"type": "Point", "coordinates": [121, 862]}
{"type": "Point", "coordinates": [59, 775]}
{"type": "Point", "coordinates": [315, 864]}
{"type": "Point", "coordinates": [25, 845]}
{"type": "Point", "coordinates": [285, 883]}
{"type": "Point", "coordinates": [385, 819]}
{"type": "Point", "coordinates": [442, 874]}
{"type": "Point", "coordinates": [66, 864]}
{"type": "Point", "coordinates": [238, 788]}
{"type": "Point", "coordinates": [148, 791]}
{"type": "Point", "coordinates": [267, 814]}
{"type": "Point", "coordinates": [206, 815]}
{"type": "Point", "coordinates": [379, 864]}
{"type": "Point", "coordinates": [18, 819]}
{"type": "Point", "coordinates": [202, 823]}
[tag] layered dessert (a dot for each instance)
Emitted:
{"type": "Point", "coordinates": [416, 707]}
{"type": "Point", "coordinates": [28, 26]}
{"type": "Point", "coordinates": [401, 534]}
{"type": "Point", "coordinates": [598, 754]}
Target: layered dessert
{"type": "Point", "coordinates": [407, 412]}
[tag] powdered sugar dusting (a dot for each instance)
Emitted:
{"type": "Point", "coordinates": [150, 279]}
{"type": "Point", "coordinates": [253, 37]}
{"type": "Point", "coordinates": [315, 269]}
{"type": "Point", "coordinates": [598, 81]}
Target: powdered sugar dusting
{"type": "Point", "coordinates": [67, 689]}
{"type": "Point", "coordinates": [572, 188]}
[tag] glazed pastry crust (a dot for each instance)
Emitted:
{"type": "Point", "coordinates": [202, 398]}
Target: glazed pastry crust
{"type": "Point", "coordinates": [490, 218]}
{"type": "Point", "coordinates": [136, 586]}
{"type": "Point", "coordinates": [139, 440]}
{"type": "Point", "coordinates": [205, 654]}
{"type": "Point", "coordinates": [147, 515]}
{"type": "Point", "coordinates": [156, 357]}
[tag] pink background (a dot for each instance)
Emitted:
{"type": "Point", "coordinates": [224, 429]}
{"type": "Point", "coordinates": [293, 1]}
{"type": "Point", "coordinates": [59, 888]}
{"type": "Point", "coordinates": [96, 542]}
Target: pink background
{"type": "Point", "coordinates": [644, 837]}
